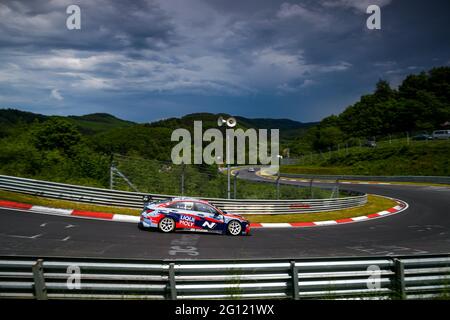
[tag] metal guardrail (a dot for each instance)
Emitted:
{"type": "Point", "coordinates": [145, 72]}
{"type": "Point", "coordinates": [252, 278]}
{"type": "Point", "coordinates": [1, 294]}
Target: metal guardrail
{"type": "Point", "coordinates": [134, 199]}
{"type": "Point", "coordinates": [402, 277]}
{"type": "Point", "coordinates": [425, 179]}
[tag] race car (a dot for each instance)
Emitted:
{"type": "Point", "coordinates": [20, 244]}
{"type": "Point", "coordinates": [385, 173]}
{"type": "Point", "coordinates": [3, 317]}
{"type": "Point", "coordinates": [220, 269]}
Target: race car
{"type": "Point", "coordinates": [189, 214]}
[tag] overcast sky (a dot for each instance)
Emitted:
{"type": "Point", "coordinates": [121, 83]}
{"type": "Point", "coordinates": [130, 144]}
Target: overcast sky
{"type": "Point", "coordinates": [144, 60]}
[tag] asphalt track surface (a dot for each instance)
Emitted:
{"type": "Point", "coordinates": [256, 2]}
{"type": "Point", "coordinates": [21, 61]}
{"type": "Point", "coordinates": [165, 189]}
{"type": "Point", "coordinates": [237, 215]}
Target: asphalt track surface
{"type": "Point", "coordinates": [424, 228]}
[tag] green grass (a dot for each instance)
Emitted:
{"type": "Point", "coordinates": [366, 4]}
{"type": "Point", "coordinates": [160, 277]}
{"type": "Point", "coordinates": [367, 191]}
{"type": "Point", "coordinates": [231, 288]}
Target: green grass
{"type": "Point", "coordinates": [428, 184]}
{"type": "Point", "coordinates": [374, 204]}
{"type": "Point", "coordinates": [63, 204]}
{"type": "Point", "coordinates": [419, 158]}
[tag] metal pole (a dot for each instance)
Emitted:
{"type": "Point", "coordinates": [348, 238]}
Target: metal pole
{"type": "Point", "coordinates": [332, 192]}
{"type": "Point", "coordinates": [294, 274]}
{"type": "Point", "coordinates": [235, 183]}
{"type": "Point", "coordinates": [228, 166]}
{"type": "Point", "coordinates": [172, 282]}
{"type": "Point", "coordinates": [182, 179]}
{"type": "Point", "coordinates": [278, 185]}
{"type": "Point", "coordinates": [399, 280]}
{"type": "Point", "coordinates": [40, 290]}
{"type": "Point", "coordinates": [132, 186]}
{"type": "Point", "coordinates": [229, 181]}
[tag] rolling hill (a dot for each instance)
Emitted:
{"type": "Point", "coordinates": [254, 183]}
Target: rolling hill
{"type": "Point", "coordinates": [86, 124]}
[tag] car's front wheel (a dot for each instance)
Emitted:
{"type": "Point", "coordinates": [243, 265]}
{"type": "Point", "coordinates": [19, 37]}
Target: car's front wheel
{"type": "Point", "coordinates": [166, 225]}
{"type": "Point", "coordinates": [234, 228]}
{"type": "Point", "coordinates": [141, 226]}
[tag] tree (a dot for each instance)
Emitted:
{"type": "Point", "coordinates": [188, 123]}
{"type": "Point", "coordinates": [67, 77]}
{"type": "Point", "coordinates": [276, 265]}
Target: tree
{"type": "Point", "coordinates": [383, 90]}
{"type": "Point", "coordinates": [56, 134]}
{"type": "Point", "coordinates": [328, 137]}
{"type": "Point", "coordinates": [413, 83]}
{"type": "Point", "coordinates": [422, 102]}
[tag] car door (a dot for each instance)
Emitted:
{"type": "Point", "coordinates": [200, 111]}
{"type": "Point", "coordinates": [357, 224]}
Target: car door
{"type": "Point", "coordinates": [184, 214]}
{"type": "Point", "coordinates": [212, 219]}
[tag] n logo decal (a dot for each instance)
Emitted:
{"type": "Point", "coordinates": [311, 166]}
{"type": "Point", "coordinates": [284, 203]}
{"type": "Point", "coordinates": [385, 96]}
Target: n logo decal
{"type": "Point", "coordinates": [209, 224]}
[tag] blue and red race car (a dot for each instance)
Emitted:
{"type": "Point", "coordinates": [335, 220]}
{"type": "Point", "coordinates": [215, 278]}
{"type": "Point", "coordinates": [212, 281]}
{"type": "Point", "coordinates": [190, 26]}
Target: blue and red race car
{"type": "Point", "coordinates": [190, 214]}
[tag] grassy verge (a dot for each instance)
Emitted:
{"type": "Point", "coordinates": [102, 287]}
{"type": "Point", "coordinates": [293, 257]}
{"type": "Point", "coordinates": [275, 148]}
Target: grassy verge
{"type": "Point", "coordinates": [367, 181]}
{"type": "Point", "coordinates": [63, 204]}
{"type": "Point", "coordinates": [374, 204]}
{"type": "Point", "coordinates": [418, 158]}
{"type": "Point", "coordinates": [427, 184]}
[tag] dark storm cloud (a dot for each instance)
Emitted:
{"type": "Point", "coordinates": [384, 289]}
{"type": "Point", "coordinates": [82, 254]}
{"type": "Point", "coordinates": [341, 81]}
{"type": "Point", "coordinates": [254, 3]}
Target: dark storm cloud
{"type": "Point", "coordinates": [159, 58]}
{"type": "Point", "coordinates": [106, 25]}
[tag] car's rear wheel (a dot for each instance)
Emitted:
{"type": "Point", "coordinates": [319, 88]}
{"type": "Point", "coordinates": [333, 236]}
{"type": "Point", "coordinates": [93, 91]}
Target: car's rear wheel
{"type": "Point", "coordinates": [166, 225]}
{"type": "Point", "coordinates": [234, 228]}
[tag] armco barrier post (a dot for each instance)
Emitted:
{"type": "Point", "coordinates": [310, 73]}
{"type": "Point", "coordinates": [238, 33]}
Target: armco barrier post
{"type": "Point", "coordinates": [294, 275]}
{"type": "Point", "coordinates": [40, 290]}
{"type": "Point", "coordinates": [182, 178]}
{"type": "Point", "coordinates": [399, 279]}
{"type": "Point", "coordinates": [172, 282]}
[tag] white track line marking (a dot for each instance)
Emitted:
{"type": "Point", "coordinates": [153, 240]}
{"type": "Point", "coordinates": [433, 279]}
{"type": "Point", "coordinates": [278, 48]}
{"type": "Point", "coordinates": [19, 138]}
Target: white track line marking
{"type": "Point", "coordinates": [324, 223]}
{"type": "Point", "coordinates": [360, 218]}
{"type": "Point", "coordinates": [53, 210]}
{"type": "Point", "coordinates": [124, 218]}
{"type": "Point", "coordinates": [276, 225]}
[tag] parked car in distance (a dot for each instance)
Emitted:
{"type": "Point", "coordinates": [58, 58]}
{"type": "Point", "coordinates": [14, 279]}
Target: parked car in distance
{"type": "Point", "coordinates": [441, 134]}
{"type": "Point", "coordinates": [251, 169]}
{"type": "Point", "coordinates": [422, 137]}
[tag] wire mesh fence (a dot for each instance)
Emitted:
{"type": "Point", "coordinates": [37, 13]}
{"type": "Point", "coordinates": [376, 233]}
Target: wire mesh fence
{"type": "Point", "coordinates": [152, 176]}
